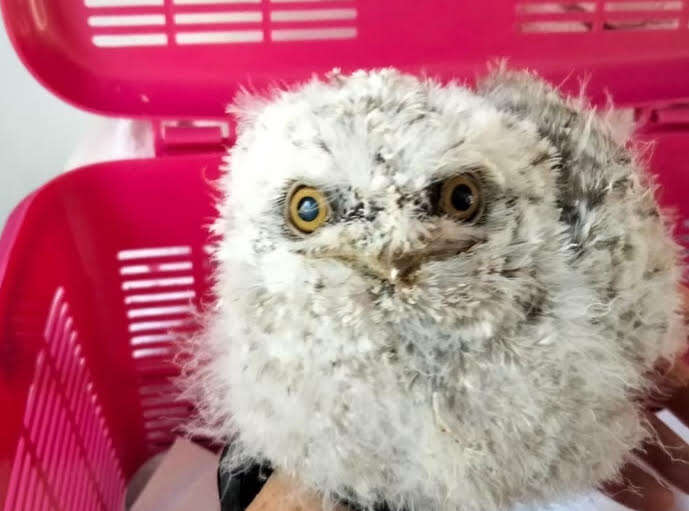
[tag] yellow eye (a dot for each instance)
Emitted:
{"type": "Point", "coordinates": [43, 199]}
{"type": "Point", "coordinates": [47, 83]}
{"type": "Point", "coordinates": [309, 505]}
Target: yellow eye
{"type": "Point", "coordinates": [307, 209]}
{"type": "Point", "coordinates": [460, 197]}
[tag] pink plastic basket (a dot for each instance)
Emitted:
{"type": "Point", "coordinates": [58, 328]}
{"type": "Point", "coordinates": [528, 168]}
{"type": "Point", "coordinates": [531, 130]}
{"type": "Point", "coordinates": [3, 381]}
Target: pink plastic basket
{"type": "Point", "coordinates": [97, 267]}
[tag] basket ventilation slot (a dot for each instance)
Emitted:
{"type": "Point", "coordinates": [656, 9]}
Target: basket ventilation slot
{"type": "Point", "coordinates": [616, 15]}
{"type": "Point", "coordinates": [131, 23]}
{"type": "Point", "coordinates": [65, 457]}
{"type": "Point", "coordinates": [158, 290]}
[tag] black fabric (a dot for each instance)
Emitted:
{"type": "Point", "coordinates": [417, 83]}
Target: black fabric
{"type": "Point", "coordinates": [239, 490]}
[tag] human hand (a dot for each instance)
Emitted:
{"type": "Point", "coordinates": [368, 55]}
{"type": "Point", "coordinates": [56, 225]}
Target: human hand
{"type": "Point", "coordinates": [281, 493]}
{"type": "Point", "coordinates": [666, 453]}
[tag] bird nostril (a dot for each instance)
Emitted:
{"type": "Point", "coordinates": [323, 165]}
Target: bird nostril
{"type": "Point", "coordinates": [404, 268]}
{"type": "Point", "coordinates": [398, 253]}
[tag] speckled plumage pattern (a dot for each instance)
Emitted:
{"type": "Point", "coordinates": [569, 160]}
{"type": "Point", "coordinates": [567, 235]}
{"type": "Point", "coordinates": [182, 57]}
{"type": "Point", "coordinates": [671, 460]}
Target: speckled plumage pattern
{"type": "Point", "coordinates": [506, 367]}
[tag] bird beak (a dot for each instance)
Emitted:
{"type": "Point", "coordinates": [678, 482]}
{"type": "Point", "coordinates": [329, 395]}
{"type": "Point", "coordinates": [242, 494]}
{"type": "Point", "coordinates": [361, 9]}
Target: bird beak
{"type": "Point", "coordinates": [399, 267]}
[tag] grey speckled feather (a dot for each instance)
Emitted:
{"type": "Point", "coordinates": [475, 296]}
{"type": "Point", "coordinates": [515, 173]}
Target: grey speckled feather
{"type": "Point", "coordinates": [505, 365]}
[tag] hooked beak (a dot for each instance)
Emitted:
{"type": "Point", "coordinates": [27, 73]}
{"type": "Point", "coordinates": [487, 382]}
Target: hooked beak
{"type": "Point", "coordinates": [400, 266]}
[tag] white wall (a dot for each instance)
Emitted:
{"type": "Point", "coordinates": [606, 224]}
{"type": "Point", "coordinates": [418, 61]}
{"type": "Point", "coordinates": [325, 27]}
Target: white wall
{"type": "Point", "coordinates": [38, 132]}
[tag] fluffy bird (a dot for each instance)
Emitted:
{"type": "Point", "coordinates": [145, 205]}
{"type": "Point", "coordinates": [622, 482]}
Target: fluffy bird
{"type": "Point", "coordinates": [434, 297]}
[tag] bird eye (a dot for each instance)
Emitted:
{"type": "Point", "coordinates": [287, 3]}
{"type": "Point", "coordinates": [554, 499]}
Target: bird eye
{"type": "Point", "coordinates": [307, 209]}
{"type": "Point", "coordinates": [460, 197]}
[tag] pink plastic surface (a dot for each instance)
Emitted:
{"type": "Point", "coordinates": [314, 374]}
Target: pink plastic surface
{"type": "Point", "coordinates": [187, 57]}
{"type": "Point", "coordinates": [100, 265]}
